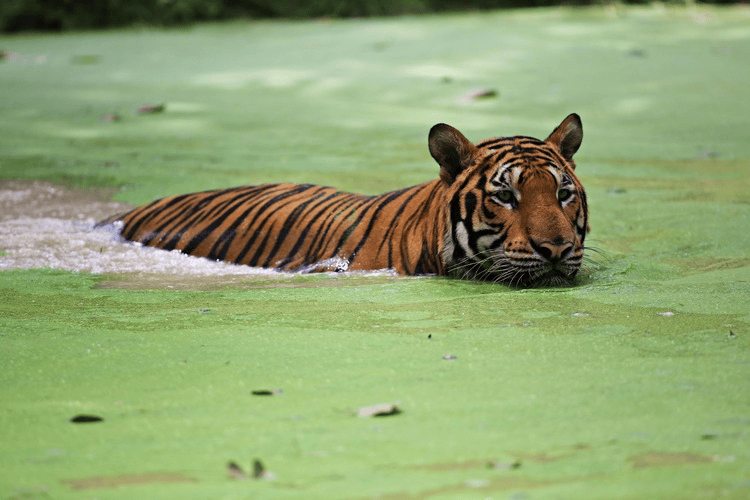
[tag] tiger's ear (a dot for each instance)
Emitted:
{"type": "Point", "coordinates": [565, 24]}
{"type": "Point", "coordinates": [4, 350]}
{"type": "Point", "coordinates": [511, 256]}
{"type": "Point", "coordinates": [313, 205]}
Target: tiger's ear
{"type": "Point", "coordinates": [567, 137]}
{"type": "Point", "coordinates": [451, 150]}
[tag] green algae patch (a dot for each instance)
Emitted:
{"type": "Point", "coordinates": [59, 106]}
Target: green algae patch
{"type": "Point", "coordinates": [569, 388]}
{"type": "Point", "coordinates": [631, 384]}
{"type": "Point", "coordinates": [689, 180]}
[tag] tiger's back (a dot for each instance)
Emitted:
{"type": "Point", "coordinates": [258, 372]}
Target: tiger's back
{"type": "Point", "coordinates": [293, 227]}
{"type": "Point", "coordinates": [507, 209]}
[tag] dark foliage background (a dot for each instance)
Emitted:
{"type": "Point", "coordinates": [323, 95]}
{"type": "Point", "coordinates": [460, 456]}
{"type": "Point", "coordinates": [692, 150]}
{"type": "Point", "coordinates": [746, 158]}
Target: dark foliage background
{"type": "Point", "coordinates": [60, 15]}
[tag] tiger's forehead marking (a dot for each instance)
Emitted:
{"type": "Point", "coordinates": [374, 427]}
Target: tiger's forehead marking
{"type": "Point", "coordinates": [505, 175]}
{"type": "Point", "coordinates": [556, 173]}
{"type": "Point", "coordinates": [513, 175]}
{"type": "Point", "coordinates": [521, 150]}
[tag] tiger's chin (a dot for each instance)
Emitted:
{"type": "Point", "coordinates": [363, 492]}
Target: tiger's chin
{"type": "Point", "coordinates": [547, 274]}
{"type": "Point", "coordinates": [551, 279]}
{"type": "Point", "coordinates": [546, 277]}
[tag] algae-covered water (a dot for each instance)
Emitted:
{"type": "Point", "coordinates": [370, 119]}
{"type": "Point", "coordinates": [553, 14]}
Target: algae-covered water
{"type": "Point", "coordinates": [632, 384]}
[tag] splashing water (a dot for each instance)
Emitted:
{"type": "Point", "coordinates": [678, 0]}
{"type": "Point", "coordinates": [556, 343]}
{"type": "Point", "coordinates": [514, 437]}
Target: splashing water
{"type": "Point", "coordinates": [46, 226]}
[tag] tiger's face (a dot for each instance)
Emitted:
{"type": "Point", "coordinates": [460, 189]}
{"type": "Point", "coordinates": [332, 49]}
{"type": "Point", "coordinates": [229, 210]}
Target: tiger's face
{"type": "Point", "coordinates": [517, 212]}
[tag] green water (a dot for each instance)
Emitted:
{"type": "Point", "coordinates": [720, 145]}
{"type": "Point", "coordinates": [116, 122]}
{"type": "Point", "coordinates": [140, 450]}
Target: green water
{"type": "Point", "coordinates": [631, 385]}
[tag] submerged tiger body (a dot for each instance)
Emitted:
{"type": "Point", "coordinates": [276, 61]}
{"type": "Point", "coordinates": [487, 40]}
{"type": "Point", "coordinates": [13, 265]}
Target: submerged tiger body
{"type": "Point", "coordinates": [507, 209]}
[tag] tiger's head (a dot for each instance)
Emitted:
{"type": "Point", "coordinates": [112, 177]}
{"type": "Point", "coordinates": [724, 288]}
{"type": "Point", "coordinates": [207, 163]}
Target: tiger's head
{"type": "Point", "coordinates": [516, 211]}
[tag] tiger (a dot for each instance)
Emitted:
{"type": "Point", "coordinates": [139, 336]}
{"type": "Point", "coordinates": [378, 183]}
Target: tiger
{"type": "Point", "coordinates": [507, 209]}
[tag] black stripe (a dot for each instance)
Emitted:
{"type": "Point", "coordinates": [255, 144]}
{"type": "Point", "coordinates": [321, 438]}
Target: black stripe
{"type": "Point", "coordinates": [184, 213]}
{"type": "Point", "coordinates": [141, 215]}
{"type": "Point", "coordinates": [351, 203]}
{"type": "Point", "coordinates": [386, 200]}
{"type": "Point", "coordinates": [411, 220]}
{"type": "Point", "coordinates": [489, 215]}
{"type": "Point", "coordinates": [490, 143]}
{"type": "Point", "coordinates": [361, 215]}
{"type": "Point", "coordinates": [585, 208]}
{"type": "Point", "coordinates": [215, 217]}
{"type": "Point", "coordinates": [392, 226]}
{"type": "Point", "coordinates": [263, 208]}
{"type": "Point", "coordinates": [224, 243]}
{"type": "Point", "coordinates": [300, 210]}
{"type": "Point", "coordinates": [470, 205]}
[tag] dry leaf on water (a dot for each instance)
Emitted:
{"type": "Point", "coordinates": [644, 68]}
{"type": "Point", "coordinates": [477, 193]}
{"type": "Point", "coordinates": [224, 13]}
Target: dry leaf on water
{"type": "Point", "coordinates": [236, 472]}
{"type": "Point", "coordinates": [259, 472]}
{"type": "Point", "coordinates": [86, 419]}
{"type": "Point", "coordinates": [381, 410]}
{"type": "Point", "coordinates": [266, 392]}
{"type": "Point", "coordinates": [150, 109]}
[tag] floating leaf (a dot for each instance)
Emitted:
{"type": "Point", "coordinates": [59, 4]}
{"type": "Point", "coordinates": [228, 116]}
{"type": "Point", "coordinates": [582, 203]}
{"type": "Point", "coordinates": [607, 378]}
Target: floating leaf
{"type": "Point", "coordinates": [258, 469]}
{"type": "Point", "coordinates": [150, 109]}
{"type": "Point", "coordinates": [266, 392]}
{"type": "Point", "coordinates": [5, 54]}
{"type": "Point", "coordinates": [497, 465]}
{"type": "Point", "coordinates": [479, 94]}
{"type": "Point", "coordinates": [449, 357]}
{"type": "Point", "coordinates": [636, 53]}
{"type": "Point", "coordinates": [111, 117]}
{"type": "Point", "coordinates": [381, 410]}
{"type": "Point", "coordinates": [86, 419]}
{"type": "Point", "coordinates": [236, 471]}
{"type": "Point", "coordinates": [260, 472]}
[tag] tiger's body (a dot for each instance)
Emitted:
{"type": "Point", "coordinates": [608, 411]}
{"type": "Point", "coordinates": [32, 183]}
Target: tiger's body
{"type": "Point", "coordinates": [507, 209]}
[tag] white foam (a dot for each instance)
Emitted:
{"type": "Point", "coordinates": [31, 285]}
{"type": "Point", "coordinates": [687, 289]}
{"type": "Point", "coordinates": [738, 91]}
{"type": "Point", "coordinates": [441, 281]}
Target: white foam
{"type": "Point", "coordinates": [42, 225]}
{"type": "Point", "coordinates": [78, 246]}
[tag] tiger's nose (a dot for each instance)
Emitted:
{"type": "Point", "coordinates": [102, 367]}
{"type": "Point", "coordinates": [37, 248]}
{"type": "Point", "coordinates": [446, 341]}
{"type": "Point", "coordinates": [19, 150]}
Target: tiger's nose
{"type": "Point", "coordinates": [554, 251]}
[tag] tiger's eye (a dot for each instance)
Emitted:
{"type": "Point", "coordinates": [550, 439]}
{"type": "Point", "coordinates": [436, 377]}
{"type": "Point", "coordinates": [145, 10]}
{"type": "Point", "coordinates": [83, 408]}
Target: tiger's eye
{"type": "Point", "coordinates": [563, 194]}
{"type": "Point", "coordinates": [504, 196]}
